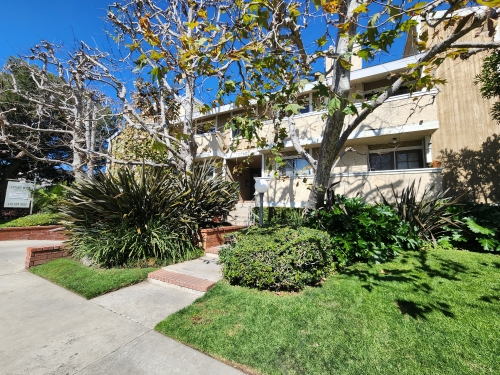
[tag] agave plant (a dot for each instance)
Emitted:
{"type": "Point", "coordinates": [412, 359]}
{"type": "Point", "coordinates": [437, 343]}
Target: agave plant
{"type": "Point", "coordinates": [428, 215]}
{"type": "Point", "coordinates": [149, 213]}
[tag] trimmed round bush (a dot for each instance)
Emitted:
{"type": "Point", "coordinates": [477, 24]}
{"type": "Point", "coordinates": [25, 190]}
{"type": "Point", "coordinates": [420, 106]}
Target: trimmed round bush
{"type": "Point", "coordinates": [278, 258]}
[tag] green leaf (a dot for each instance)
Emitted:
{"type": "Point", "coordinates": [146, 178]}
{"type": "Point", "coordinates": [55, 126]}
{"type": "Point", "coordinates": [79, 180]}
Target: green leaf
{"type": "Point", "coordinates": [374, 19]}
{"type": "Point", "coordinates": [321, 41]}
{"type": "Point", "coordinates": [345, 63]}
{"type": "Point", "coordinates": [363, 8]}
{"type": "Point", "coordinates": [408, 24]}
{"type": "Point", "coordinates": [350, 109]}
{"type": "Point", "coordinates": [489, 244]}
{"type": "Point", "coordinates": [132, 47]}
{"type": "Point", "coordinates": [294, 108]}
{"type": "Point", "coordinates": [418, 7]}
{"type": "Point", "coordinates": [158, 146]}
{"type": "Point", "coordinates": [333, 105]}
{"type": "Point", "coordinates": [154, 55]}
{"type": "Point", "coordinates": [192, 24]}
{"type": "Point", "coordinates": [365, 54]}
{"type": "Point", "coordinates": [476, 228]}
{"type": "Point", "coordinates": [229, 86]}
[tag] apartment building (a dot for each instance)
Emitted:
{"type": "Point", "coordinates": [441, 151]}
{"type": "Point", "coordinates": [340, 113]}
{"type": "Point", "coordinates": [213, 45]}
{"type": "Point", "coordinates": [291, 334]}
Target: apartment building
{"type": "Point", "coordinates": [410, 137]}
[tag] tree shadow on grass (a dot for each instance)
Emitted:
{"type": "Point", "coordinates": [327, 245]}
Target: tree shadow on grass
{"type": "Point", "coordinates": [371, 279]}
{"type": "Point", "coordinates": [447, 269]}
{"type": "Point", "coordinates": [420, 311]}
{"type": "Point", "coordinates": [416, 277]}
{"type": "Point", "coordinates": [492, 298]}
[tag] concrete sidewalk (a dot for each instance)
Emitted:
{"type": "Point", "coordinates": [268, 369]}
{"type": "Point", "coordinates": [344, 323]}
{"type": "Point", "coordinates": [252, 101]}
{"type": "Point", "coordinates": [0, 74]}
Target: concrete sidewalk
{"type": "Point", "coordinates": [45, 329]}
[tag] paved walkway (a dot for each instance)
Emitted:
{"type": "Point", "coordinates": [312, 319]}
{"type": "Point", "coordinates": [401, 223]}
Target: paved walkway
{"type": "Point", "coordinates": [45, 329]}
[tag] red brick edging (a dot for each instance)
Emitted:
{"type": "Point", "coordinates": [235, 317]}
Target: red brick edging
{"type": "Point", "coordinates": [49, 232]}
{"type": "Point", "coordinates": [186, 281]}
{"type": "Point", "coordinates": [214, 237]}
{"type": "Point", "coordinates": [40, 255]}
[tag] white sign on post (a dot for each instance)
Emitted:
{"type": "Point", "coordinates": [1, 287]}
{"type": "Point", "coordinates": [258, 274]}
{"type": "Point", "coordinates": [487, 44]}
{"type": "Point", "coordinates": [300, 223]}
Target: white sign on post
{"type": "Point", "coordinates": [18, 194]}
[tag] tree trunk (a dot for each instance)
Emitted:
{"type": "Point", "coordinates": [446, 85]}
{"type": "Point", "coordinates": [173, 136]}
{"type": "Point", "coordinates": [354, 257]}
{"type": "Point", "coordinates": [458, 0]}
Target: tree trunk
{"type": "Point", "coordinates": [340, 88]}
{"type": "Point", "coordinates": [188, 153]}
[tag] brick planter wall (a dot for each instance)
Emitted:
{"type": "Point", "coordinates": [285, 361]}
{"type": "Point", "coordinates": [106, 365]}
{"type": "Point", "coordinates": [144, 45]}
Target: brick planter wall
{"type": "Point", "coordinates": [40, 255]}
{"type": "Point", "coordinates": [214, 237]}
{"type": "Point", "coordinates": [49, 232]}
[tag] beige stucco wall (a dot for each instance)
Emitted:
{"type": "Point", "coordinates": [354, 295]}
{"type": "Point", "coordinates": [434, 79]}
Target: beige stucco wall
{"type": "Point", "coordinates": [463, 114]}
{"type": "Point", "coordinates": [396, 112]}
{"type": "Point", "coordinates": [210, 144]}
{"type": "Point", "coordinates": [294, 192]}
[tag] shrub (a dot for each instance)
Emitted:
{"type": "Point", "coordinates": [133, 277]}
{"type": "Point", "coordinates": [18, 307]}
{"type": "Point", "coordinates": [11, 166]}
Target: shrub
{"type": "Point", "coordinates": [479, 228]}
{"type": "Point", "coordinates": [32, 220]}
{"type": "Point", "coordinates": [48, 199]}
{"type": "Point", "coordinates": [208, 198]}
{"type": "Point", "coordinates": [362, 232]}
{"type": "Point", "coordinates": [279, 258]}
{"type": "Point", "coordinates": [128, 217]}
{"type": "Point", "coordinates": [280, 216]}
{"type": "Point", "coordinates": [427, 216]}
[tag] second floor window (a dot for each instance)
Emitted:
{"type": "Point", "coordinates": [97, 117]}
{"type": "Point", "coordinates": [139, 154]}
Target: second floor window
{"type": "Point", "coordinates": [295, 167]}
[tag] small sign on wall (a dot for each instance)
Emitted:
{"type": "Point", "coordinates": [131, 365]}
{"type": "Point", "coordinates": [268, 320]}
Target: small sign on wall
{"type": "Point", "coordinates": [18, 194]}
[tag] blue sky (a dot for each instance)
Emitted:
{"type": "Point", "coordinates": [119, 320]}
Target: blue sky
{"type": "Point", "coordinates": [24, 23]}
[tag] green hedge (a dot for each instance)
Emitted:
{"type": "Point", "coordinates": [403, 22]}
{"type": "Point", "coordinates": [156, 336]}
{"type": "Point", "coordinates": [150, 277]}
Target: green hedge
{"type": "Point", "coordinates": [279, 258]}
{"type": "Point", "coordinates": [32, 220]}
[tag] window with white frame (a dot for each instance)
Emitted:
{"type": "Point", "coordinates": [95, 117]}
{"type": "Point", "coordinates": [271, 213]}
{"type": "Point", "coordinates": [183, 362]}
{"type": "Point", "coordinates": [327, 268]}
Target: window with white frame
{"type": "Point", "coordinates": [396, 158]}
{"type": "Point", "coordinates": [294, 166]}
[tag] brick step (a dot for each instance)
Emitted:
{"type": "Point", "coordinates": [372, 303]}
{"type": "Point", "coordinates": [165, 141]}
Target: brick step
{"type": "Point", "coordinates": [186, 281]}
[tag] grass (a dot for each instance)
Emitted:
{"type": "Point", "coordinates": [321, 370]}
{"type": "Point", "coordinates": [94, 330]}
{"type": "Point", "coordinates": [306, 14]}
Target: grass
{"type": "Point", "coordinates": [31, 220]}
{"type": "Point", "coordinates": [89, 282]}
{"type": "Point", "coordinates": [427, 312]}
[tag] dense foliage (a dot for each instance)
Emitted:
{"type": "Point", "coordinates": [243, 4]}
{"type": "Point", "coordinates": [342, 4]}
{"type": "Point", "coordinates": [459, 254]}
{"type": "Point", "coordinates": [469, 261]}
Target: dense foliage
{"type": "Point", "coordinates": [362, 232]}
{"type": "Point", "coordinates": [427, 214]}
{"type": "Point", "coordinates": [278, 258]}
{"type": "Point", "coordinates": [155, 213]}
{"type": "Point", "coordinates": [48, 199]}
{"type": "Point", "coordinates": [479, 229]}
{"type": "Point", "coordinates": [280, 216]}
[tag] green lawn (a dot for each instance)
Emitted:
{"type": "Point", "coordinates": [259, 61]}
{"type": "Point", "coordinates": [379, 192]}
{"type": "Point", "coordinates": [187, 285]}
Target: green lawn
{"type": "Point", "coordinates": [89, 282]}
{"type": "Point", "coordinates": [428, 312]}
